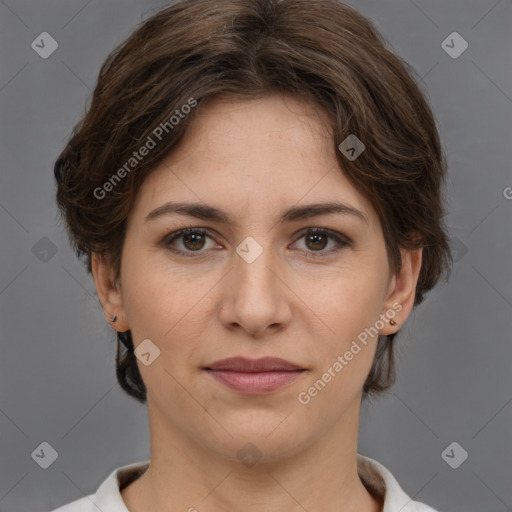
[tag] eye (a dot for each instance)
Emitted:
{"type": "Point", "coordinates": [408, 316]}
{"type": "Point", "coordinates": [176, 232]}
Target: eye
{"type": "Point", "coordinates": [193, 241]}
{"type": "Point", "coordinates": [316, 240]}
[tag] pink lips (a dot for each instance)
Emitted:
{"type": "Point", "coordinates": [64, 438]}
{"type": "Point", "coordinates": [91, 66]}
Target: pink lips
{"type": "Point", "coordinates": [254, 376]}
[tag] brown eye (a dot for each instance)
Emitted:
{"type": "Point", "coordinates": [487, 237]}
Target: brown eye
{"type": "Point", "coordinates": [192, 240]}
{"type": "Point", "coordinates": [317, 239]}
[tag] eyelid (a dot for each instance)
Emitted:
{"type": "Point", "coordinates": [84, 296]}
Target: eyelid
{"type": "Point", "coordinates": [340, 239]}
{"type": "Point", "coordinates": [179, 233]}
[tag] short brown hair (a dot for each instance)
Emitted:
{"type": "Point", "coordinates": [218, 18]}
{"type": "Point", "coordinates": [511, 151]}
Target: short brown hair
{"type": "Point", "coordinates": [321, 50]}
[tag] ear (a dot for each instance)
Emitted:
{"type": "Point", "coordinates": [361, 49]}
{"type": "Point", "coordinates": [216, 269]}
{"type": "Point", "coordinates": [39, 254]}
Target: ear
{"type": "Point", "coordinates": [402, 290]}
{"type": "Point", "coordinates": [109, 292]}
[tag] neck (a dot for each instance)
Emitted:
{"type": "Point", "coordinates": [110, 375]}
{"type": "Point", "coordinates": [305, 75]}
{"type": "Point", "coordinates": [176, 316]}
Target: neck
{"type": "Point", "coordinates": [184, 476]}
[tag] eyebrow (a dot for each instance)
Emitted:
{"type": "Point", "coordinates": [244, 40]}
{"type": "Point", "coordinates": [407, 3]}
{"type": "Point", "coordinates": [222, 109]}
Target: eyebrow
{"type": "Point", "coordinates": [206, 212]}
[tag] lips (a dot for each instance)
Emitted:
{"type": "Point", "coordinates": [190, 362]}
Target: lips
{"type": "Point", "coordinates": [254, 376]}
{"type": "Point", "coordinates": [244, 365]}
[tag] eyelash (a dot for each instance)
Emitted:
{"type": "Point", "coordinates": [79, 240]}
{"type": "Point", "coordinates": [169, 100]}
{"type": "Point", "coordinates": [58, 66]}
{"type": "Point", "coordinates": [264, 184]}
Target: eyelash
{"type": "Point", "coordinates": [342, 242]}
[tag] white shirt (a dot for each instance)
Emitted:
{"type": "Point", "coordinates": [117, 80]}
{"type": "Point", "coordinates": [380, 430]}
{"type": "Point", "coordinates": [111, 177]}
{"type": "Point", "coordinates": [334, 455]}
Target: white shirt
{"type": "Point", "coordinates": [375, 476]}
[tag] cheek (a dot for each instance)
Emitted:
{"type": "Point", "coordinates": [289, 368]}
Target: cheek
{"type": "Point", "coordinates": [165, 306]}
{"type": "Point", "coordinates": [349, 307]}
{"type": "Point", "coordinates": [151, 301]}
{"type": "Point", "coordinates": [347, 349]}
{"type": "Point", "coordinates": [350, 302]}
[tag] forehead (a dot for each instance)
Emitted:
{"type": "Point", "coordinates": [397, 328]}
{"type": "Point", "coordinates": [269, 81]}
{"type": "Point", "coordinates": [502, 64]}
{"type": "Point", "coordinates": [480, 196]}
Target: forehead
{"type": "Point", "coordinates": [266, 152]}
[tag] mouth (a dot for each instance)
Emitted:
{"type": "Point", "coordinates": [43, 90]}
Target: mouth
{"type": "Point", "coordinates": [254, 376]}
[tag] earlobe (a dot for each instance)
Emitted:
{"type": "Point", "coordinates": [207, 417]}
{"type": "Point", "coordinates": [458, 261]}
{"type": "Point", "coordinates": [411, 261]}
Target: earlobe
{"type": "Point", "coordinates": [109, 293]}
{"type": "Point", "coordinates": [403, 290]}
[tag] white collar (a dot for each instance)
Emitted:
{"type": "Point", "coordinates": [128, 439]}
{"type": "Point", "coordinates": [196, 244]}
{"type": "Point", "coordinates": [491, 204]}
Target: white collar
{"type": "Point", "coordinates": [377, 479]}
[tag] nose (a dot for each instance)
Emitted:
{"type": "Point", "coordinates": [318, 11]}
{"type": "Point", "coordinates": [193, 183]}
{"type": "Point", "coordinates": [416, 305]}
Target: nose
{"type": "Point", "coordinates": [255, 296]}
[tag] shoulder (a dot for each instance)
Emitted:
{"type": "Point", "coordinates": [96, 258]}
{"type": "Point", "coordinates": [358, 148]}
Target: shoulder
{"type": "Point", "coordinates": [84, 504]}
{"type": "Point", "coordinates": [421, 507]}
{"type": "Point", "coordinates": [381, 482]}
{"type": "Point", "coordinates": [108, 495]}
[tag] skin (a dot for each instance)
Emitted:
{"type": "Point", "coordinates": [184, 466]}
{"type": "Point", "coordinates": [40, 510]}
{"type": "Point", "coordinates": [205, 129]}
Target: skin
{"type": "Point", "coordinates": [253, 159]}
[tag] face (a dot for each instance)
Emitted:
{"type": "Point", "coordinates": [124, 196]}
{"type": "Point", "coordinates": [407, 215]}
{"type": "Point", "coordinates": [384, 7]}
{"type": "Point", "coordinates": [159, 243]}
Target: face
{"type": "Point", "coordinates": [302, 288]}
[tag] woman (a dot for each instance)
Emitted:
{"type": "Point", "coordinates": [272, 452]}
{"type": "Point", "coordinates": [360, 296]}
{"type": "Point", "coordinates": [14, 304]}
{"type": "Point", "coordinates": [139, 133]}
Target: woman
{"type": "Point", "coordinates": [256, 187]}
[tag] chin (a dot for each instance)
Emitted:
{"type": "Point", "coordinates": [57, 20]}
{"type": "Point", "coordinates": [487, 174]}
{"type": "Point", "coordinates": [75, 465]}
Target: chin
{"type": "Point", "coordinates": [265, 441]}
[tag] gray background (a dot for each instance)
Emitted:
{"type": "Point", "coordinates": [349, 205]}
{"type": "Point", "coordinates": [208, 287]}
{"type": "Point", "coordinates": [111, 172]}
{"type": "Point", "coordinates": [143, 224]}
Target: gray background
{"type": "Point", "coordinates": [57, 365]}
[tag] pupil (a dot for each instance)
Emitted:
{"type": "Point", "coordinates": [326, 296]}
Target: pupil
{"type": "Point", "coordinates": [191, 236]}
{"type": "Point", "coordinates": [315, 237]}
{"type": "Point", "coordinates": [194, 241]}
